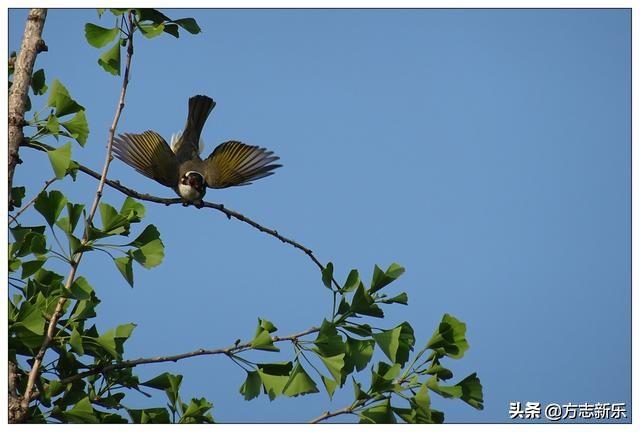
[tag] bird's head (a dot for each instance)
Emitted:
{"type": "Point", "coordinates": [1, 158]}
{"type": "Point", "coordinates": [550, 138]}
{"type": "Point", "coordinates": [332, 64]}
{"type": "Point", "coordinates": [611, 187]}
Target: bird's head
{"type": "Point", "coordinates": [193, 179]}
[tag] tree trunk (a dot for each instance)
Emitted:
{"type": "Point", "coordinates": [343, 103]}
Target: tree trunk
{"type": "Point", "coordinates": [32, 44]}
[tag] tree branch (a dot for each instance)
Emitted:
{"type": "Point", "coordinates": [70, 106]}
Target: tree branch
{"type": "Point", "coordinates": [346, 410]}
{"type": "Point", "coordinates": [32, 44]}
{"type": "Point", "coordinates": [75, 261]}
{"type": "Point", "coordinates": [174, 358]}
{"type": "Point", "coordinates": [171, 201]}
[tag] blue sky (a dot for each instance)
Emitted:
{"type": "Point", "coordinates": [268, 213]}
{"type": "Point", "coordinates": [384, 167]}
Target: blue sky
{"type": "Point", "coordinates": [487, 151]}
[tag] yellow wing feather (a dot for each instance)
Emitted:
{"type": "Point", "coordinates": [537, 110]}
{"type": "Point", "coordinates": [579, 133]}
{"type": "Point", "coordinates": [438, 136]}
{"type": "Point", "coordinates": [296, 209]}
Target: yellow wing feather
{"type": "Point", "coordinates": [237, 164]}
{"type": "Point", "coordinates": [149, 154]}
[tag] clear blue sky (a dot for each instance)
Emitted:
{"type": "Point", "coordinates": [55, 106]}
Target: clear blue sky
{"type": "Point", "coordinates": [487, 151]}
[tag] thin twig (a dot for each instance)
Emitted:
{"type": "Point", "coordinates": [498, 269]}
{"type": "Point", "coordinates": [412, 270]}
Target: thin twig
{"type": "Point", "coordinates": [75, 261]}
{"type": "Point", "coordinates": [172, 201]}
{"type": "Point", "coordinates": [14, 218]}
{"type": "Point", "coordinates": [174, 358]}
{"type": "Point", "coordinates": [346, 410]}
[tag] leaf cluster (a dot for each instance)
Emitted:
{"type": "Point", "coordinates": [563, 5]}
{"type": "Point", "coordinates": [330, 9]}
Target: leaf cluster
{"type": "Point", "coordinates": [150, 22]}
{"type": "Point", "coordinates": [399, 388]}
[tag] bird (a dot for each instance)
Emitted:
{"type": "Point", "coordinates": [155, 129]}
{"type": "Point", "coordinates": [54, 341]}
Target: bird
{"type": "Point", "coordinates": [180, 167]}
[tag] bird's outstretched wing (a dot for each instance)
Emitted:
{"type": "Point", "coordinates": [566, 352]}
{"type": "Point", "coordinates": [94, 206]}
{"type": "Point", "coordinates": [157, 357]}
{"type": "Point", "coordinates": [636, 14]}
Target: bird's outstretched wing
{"type": "Point", "coordinates": [233, 163]}
{"type": "Point", "coordinates": [149, 154]}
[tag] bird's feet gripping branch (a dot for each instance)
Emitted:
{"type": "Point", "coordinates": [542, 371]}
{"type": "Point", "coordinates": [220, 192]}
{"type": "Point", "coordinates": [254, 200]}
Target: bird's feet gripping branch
{"type": "Point", "coordinates": [180, 166]}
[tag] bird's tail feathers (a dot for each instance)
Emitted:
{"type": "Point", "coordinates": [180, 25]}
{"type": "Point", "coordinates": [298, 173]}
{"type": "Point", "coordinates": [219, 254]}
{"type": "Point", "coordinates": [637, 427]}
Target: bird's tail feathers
{"type": "Point", "coordinates": [200, 107]}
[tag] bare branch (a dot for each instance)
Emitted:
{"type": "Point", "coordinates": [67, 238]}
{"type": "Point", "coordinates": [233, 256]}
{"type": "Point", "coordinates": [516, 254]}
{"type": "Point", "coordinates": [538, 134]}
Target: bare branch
{"type": "Point", "coordinates": [37, 363]}
{"type": "Point", "coordinates": [171, 201]}
{"type": "Point", "coordinates": [32, 44]}
{"type": "Point", "coordinates": [174, 358]}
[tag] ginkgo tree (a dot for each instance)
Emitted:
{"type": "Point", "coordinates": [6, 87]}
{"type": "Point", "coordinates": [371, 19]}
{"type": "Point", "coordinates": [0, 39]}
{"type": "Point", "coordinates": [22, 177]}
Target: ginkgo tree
{"type": "Point", "coordinates": [63, 368]}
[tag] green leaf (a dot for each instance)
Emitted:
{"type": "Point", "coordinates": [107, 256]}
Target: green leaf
{"type": "Point", "coordinates": [112, 340]}
{"type": "Point", "coordinates": [364, 304]}
{"type": "Point", "coordinates": [110, 59]}
{"type": "Point", "coordinates": [149, 255]}
{"type": "Point", "coordinates": [149, 415]}
{"type": "Point", "coordinates": [172, 29]}
{"type": "Point", "coordinates": [75, 244]}
{"type": "Point", "coordinates": [14, 264]}
{"type": "Point", "coordinates": [196, 412]}
{"type": "Point", "coordinates": [50, 204]}
{"type": "Point", "coordinates": [55, 388]}
{"type": "Point", "coordinates": [33, 243]}
{"type": "Point", "coordinates": [382, 378]}
{"type": "Point", "coordinates": [60, 159]}
{"type": "Point", "coordinates": [328, 343]}
{"type": "Point", "coordinates": [74, 211]}
{"type": "Point", "coordinates": [472, 391]}
{"type": "Point", "coordinates": [396, 343]}
{"type": "Point", "coordinates": [381, 279]}
{"type": "Point", "coordinates": [449, 339]}
{"type": "Point", "coordinates": [267, 325]}
{"type": "Point", "coordinates": [17, 195]}
{"type": "Point", "coordinates": [421, 403]}
{"type": "Point", "coordinates": [118, 12]}
{"type": "Point", "coordinates": [133, 210]}
{"type": "Point", "coordinates": [82, 412]}
{"type": "Point", "coordinates": [352, 282]}
{"type": "Point", "coordinates": [112, 221]}
{"type": "Point", "coordinates": [153, 15]}
{"type": "Point", "coordinates": [300, 383]}
{"type": "Point", "coordinates": [125, 267]}
{"type": "Point", "coordinates": [99, 36]}
{"type": "Point", "coordinates": [439, 371]}
{"type": "Point", "coordinates": [251, 387]}
{"type": "Point", "coordinates": [401, 298]}
{"type": "Point", "coordinates": [30, 267]}
{"type": "Point", "coordinates": [359, 354]}
{"type": "Point", "coordinates": [262, 339]}
{"type": "Point", "coordinates": [327, 275]}
{"type": "Point", "coordinates": [75, 341]}
{"type": "Point", "coordinates": [53, 125]}
{"type": "Point", "coordinates": [149, 234]}
{"type": "Point", "coordinates": [85, 309]}
{"type": "Point", "coordinates": [165, 381]}
{"type": "Point", "coordinates": [274, 377]}
{"type": "Point", "coordinates": [330, 385]}
{"type": "Point", "coordinates": [380, 413]}
{"type": "Point", "coordinates": [469, 390]}
{"type": "Point", "coordinates": [150, 30]}
{"type": "Point", "coordinates": [38, 82]}
{"type": "Point", "coordinates": [363, 330]}
{"type": "Point", "coordinates": [189, 24]}
{"type": "Point", "coordinates": [78, 127]}
{"type": "Point", "coordinates": [357, 391]}
{"type": "Point", "coordinates": [30, 318]}
{"type": "Point", "coordinates": [60, 99]}
{"type": "Point", "coordinates": [344, 306]}
{"type": "Point", "coordinates": [334, 365]}
{"type": "Point", "coordinates": [81, 289]}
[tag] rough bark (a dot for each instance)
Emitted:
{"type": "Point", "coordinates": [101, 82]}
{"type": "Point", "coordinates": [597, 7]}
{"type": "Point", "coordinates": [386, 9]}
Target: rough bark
{"type": "Point", "coordinates": [32, 44]}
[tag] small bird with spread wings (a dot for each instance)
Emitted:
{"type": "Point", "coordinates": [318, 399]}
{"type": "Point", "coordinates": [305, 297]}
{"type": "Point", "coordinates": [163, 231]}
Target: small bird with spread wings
{"type": "Point", "coordinates": [180, 167]}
